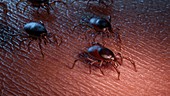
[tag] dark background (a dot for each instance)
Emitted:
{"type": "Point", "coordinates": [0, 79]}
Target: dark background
{"type": "Point", "coordinates": [144, 28]}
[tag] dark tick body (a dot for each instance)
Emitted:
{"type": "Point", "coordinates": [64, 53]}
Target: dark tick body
{"type": "Point", "coordinates": [101, 56]}
{"type": "Point", "coordinates": [101, 26]}
{"type": "Point", "coordinates": [41, 4]}
{"type": "Point", "coordinates": [37, 31]}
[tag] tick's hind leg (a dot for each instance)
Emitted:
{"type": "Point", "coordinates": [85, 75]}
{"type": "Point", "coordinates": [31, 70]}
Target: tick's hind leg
{"type": "Point", "coordinates": [20, 43]}
{"type": "Point", "coordinates": [29, 43]}
{"type": "Point", "coordinates": [118, 72]}
{"type": "Point", "coordinates": [81, 57]}
{"type": "Point", "coordinates": [101, 70]}
{"type": "Point", "coordinates": [45, 40]}
{"type": "Point", "coordinates": [89, 31]}
{"type": "Point", "coordinates": [74, 63]}
{"type": "Point", "coordinates": [21, 37]}
{"type": "Point", "coordinates": [56, 40]}
{"type": "Point", "coordinates": [81, 25]}
{"type": "Point", "coordinates": [84, 33]}
{"type": "Point", "coordinates": [40, 41]}
{"type": "Point", "coordinates": [119, 59]}
{"type": "Point", "coordinates": [92, 63]}
{"type": "Point", "coordinates": [132, 62]}
{"type": "Point", "coordinates": [54, 37]}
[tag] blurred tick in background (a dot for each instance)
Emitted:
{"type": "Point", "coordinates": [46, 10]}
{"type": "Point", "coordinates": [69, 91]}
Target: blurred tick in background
{"type": "Point", "coordinates": [100, 26]}
{"type": "Point", "coordinates": [41, 4]}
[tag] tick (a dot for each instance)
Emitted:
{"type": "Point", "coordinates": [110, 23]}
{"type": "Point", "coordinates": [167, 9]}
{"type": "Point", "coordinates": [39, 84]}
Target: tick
{"type": "Point", "coordinates": [100, 56]}
{"type": "Point", "coordinates": [37, 31]}
{"type": "Point", "coordinates": [101, 26]}
{"type": "Point", "coordinates": [41, 4]}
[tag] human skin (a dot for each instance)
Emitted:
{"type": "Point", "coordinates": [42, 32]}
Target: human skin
{"type": "Point", "coordinates": [144, 30]}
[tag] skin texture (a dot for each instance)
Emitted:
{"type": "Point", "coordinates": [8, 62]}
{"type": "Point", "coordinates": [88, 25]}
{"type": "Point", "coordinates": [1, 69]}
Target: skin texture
{"type": "Point", "coordinates": [144, 29]}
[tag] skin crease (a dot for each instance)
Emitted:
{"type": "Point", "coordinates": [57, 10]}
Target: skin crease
{"type": "Point", "coordinates": [145, 39]}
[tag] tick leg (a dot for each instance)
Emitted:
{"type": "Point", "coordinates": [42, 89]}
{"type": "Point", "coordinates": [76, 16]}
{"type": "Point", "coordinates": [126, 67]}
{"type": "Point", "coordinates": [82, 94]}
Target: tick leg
{"type": "Point", "coordinates": [101, 63]}
{"type": "Point", "coordinates": [91, 64]}
{"type": "Point", "coordinates": [90, 68]}
{"type": "Point", "coordinates": [119, 56]}
{"type": "Point", "coordinates": [84, 34]}
{"type": "Point", "coordinates": [116, 64]}
{"type": "Point", "coordinates": [74, 27]}
{"type": "Point", "coordinates": [118, 72]}
{"type": "Point", "coordinates": [75, 63]}
{"type": "Point", "coordinates": [55, 39]}
{"type": "Point", "coordinates": [101, 70]}
{"type": "Point", "coordinates": [110, 18]}
{"type": "Point", "coordinates": [29, 43]}
{"type": "Point", "coordinates": [21, 35]}
{"type": "Point", "coordinates": [132, 62]}
{"type": "Point", "coordinates": [20, 43]}
{"type": "Point", "coordinates": [41, 47]}
{"type": "Point", "coordinates": [84, 24]}
{"type": "Point", "coordinates": [45, 39]}
{"type": "Point", "coordinates": [49, 35]}
{"type": "Point", "coordinates": [13, 37]}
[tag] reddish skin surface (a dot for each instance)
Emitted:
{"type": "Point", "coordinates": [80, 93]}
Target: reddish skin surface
{"type": "Point", "coordinates": [145, 37]}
